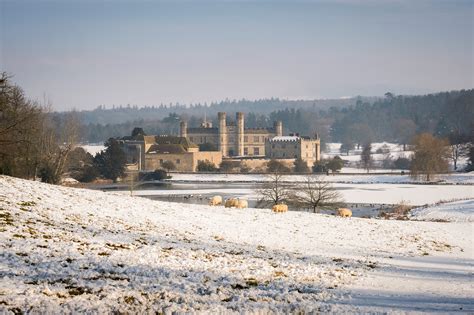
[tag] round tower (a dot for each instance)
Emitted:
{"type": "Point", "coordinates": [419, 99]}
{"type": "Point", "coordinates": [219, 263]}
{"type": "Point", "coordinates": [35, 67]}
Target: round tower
{"type": "Point", "coordinates": [183, 129]}
{"type": "Point", "coordinates": [278, 126]}
{"type": "Point", "coordinates": [222, 133]}
{"type": "Point", "coordinates": [240, 134]}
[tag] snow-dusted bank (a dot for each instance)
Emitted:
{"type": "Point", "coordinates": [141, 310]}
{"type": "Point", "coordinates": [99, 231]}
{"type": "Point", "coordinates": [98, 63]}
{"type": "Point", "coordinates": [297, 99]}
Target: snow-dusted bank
{"type": "Point", "coordinates": [69, 250]}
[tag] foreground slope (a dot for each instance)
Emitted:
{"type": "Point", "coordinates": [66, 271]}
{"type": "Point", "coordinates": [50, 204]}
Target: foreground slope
{"type": "Point", "coordinates": [65, 249]}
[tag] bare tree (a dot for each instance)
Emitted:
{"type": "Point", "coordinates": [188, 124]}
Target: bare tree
{"type": "Point", "coordinates": [430, 156]}
{"type": "Point", "coordinates": [316, 193]}
{"type": "Point", "coordinates": [20, 126]}
{"type": "Point", "coordinates": [58, 140]}
{"type": "Point", "coordinates": [274, 191]}
{"type": "Point", "coordinates": [459, 145]}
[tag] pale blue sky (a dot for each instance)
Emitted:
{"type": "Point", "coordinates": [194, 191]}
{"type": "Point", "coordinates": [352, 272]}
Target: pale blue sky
{"type": "Point", "coordinates": [85, 53]}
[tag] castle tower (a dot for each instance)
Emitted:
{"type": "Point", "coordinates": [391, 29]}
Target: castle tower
{"type": "Point", "coordinates": [183, 129]}
{"type": "Point", "coordinates": [240, 134]}
{"type": "Point", "coordinates": [278, 126]}
{"type": "Point", "coordinates": [222, 133]}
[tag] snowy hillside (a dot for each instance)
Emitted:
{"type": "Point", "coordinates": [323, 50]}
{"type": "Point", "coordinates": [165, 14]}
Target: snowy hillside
{"type": "Point", "coordinates": [459, 211]}
{"type": "Point", "coordinates": [75, 250]}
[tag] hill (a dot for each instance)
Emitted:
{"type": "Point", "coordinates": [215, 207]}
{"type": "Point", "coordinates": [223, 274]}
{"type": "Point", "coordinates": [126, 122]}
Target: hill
{"type": "Point", "coordinates": [76, 250]}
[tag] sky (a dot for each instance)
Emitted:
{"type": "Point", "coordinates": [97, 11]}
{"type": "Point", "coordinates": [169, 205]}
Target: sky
{"type": "Point", "coordinates": [82, 54]}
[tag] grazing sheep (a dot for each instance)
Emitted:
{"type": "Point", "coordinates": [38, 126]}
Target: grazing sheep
{"type": "Point", "coordinates": [215, 201]}
{"type": "Point", "coordinates": [242, 204]}
{"type": "Point", "coordinates": [232, 203]}
{"type": "Point", "coordinates": [344, 212]}
{"type": "Point", "coordinates": [280, 208]}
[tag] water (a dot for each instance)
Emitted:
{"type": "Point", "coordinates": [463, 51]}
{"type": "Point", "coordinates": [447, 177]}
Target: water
{"type": "Point", "coordinates": [200, 193]}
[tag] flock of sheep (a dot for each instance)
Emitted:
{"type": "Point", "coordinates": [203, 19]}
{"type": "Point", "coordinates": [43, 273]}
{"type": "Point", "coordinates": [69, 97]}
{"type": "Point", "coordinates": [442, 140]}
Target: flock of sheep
{"type": "Point", "coordinates": [242, 204]}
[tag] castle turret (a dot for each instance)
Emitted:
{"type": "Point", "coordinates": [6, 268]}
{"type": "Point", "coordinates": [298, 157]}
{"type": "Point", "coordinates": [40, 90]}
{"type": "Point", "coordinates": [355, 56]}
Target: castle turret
{"type": "Point", "coordinates": [278, 126]}
{"type": "Point", "coordinates": [240, 134]}
{"type": "Point", "coordinates": [183, 129]}
{"type": "Point", "coordinates": [222, 133]}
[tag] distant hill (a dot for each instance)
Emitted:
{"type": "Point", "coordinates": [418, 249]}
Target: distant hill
{"type": "Point", "coordinates": [125, 113]}
{"type": "Point", "coordinates": [394, 118]}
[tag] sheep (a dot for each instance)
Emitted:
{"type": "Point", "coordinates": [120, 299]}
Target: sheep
{"type": "Point", "coordinates": [215, 201]}
{"type": "Point", "coordinates": [232, 203]}
{"type": "Point", "coordinates": [280, 208]}
{"type": "Point", "coordinates": [344, 212]}
{"type": "Point", "coordinates": [242, 204]}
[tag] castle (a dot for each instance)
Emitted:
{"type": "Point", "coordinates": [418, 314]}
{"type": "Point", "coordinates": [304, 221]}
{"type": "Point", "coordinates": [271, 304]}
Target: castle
{"type": "Point", "coordinates": [232, 139]}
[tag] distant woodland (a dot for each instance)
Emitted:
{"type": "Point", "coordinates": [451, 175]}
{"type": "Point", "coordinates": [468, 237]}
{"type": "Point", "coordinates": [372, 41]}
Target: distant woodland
{"type": "Point", "coordinates": [394, 118]}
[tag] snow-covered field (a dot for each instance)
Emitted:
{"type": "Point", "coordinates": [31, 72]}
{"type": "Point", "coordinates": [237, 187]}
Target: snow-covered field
{"type": "Point", "coordinates": [76, 250]}
{"type": "Point", "coordinates": [459, 211]}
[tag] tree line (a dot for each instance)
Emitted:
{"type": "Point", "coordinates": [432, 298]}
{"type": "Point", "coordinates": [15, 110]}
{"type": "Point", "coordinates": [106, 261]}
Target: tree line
{"type": "Point", "coordinates": [392, 118]}
{"type": "Point", "coordinates": [33, 143]}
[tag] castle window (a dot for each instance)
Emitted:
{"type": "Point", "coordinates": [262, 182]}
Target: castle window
{"type": "Point", "coordinates": [246, 151]}
{"type": "Point", "coordinates": [263, 139]}
{"type": "Point", "coordinates": [255, 139]}
{"type": "Point", "coordinates": [178, 161]}
{"type": "Point", "coordinates": [246, 139]}
{"type": "Point", "coordinates": [256, 151]}
{"type": "Point", "coordinates": [273, 146]}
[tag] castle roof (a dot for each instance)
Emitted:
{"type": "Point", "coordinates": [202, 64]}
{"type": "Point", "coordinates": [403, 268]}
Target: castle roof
{"type": "Point", "coordinates": [284, 138]}
{"type": "Point", "coordinates": [164, 140]}
{"type": "Point", "coordinates": [167, 149]}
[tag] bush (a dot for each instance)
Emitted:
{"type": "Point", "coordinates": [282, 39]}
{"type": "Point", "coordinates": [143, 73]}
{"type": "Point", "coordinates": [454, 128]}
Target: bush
{"type": "Point", "coordinates": [320, 167]}
{"type": "Point", "coordinates": [227, 166]}
{"type": "Point", "coordinates": [402, 163]}
{"type": "Point", "coordinates": [274, 166]}
{"type": "Point", "coordinates": [244, 168]}
{"type": "Point", "coordinates": [47, 175]}
{"type": "Point", "coordinates": [300, 166]}
{"type": "Point", "coordinates": [206, 166]}
{"type": "Point", "coordinates": [159, 174]}
{"type": "Point", "coordinates": [88, 174]}
{"type": "Point", "coordinates": [168, 165]}
{"type": "Point", "coordinates": [335, 164]}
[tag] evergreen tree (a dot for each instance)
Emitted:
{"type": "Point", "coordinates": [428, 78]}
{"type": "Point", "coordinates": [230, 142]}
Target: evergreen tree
{"type": "Point", "coordinates": [366, 157]}
{"type": "Point", "coordinates": [300, 166]}
{"type": "Point", "coordinates": [111, 162]}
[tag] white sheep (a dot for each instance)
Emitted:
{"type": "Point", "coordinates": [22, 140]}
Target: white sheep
{"type": "Point", "coordinates": [280, 208]}
{"type": "Point", "coordinates": [344, 212]}
{"type": "Point", "coordinates": [215, 201]}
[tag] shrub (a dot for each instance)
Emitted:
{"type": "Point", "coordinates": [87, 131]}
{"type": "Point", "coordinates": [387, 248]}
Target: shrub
{"type": "Point", "coordinates": [402, 163]}
{"type": "Point", "coordinates": [206, 166]}
{"type": "Point", "coordinates": [320, 167]}
{"type": "Point", "coordinates": [274, 166]}
{"type": "Point", "coordinates": [168, 165]}
{"type": "Point", "coordinates": [159, 174]}
{"type": "Point", "coordinates": [300, 166]}
{"type": "Point", "coordinates": [89, 173]}
{"type": "Point", "coordinates": [228, 166]}
{"type": "Point", "coordinates": [335, 164]}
